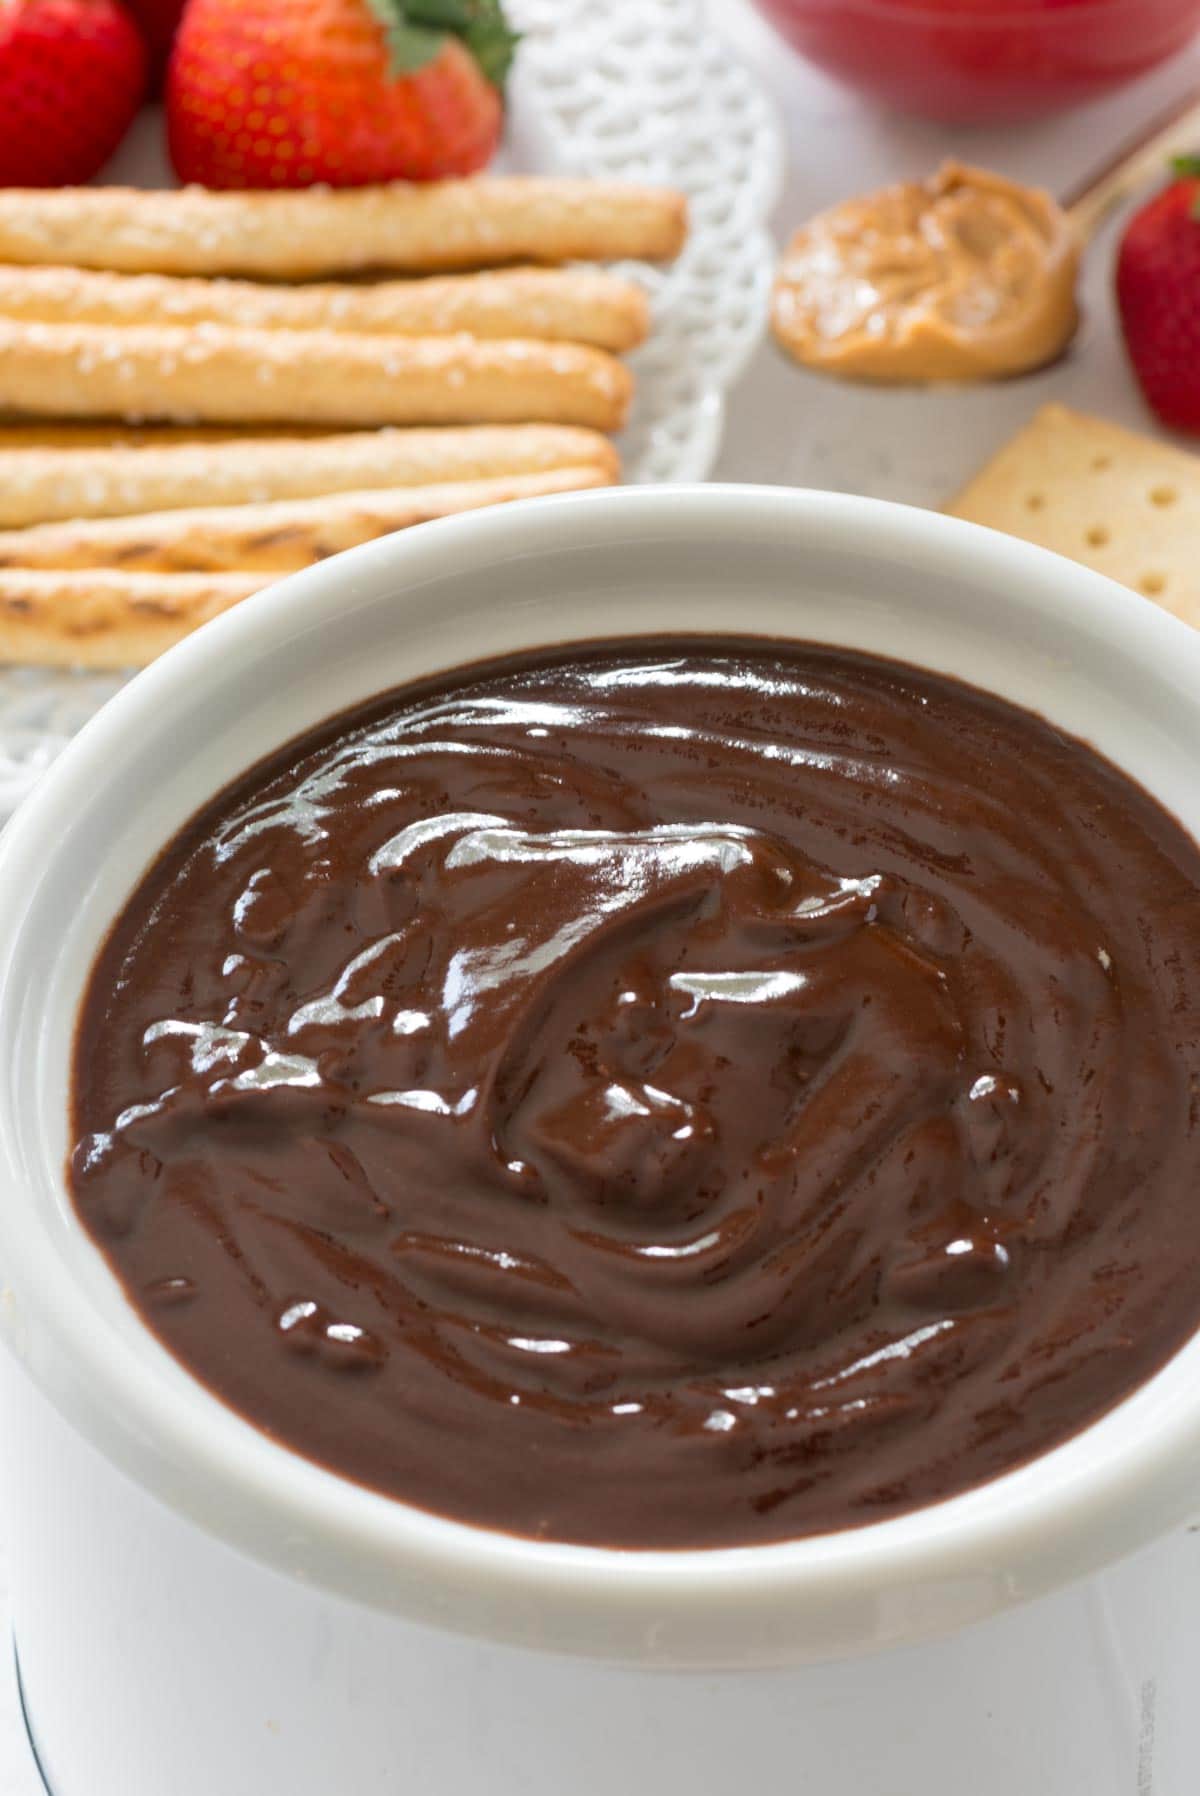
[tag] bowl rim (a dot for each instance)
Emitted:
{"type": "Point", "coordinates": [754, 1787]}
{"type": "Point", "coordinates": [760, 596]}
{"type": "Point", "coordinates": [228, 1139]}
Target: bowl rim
{"type": "Point", "coordinates": [1123, 1481]}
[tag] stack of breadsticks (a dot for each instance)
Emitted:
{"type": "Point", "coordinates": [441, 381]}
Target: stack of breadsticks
{"type": "Point", "coordinates": [272, 377]}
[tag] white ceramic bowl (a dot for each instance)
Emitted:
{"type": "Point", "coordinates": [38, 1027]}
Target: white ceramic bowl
{"type": "Point", "coordinates": [945, 595]}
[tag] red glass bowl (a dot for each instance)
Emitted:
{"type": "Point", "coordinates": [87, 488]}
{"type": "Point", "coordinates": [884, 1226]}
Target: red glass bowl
{"type": "Point", "coordinates": [982, 60]}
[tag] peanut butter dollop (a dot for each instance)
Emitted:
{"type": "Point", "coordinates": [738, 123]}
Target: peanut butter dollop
{"type": "Point", "coordinates": [964, 276]}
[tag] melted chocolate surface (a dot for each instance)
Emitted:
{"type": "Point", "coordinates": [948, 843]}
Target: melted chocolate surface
{"type": "Point", "coordinates": [667, 1093]}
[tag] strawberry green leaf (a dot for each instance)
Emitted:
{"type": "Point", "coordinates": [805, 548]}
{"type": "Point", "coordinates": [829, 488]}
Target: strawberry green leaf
{"type": "Point", "coordinates": [448, 15]}
{"type": "Point", "coordinates": [411, 46]}
{"type": "Point", "coordinates": [1187, 168]}
{"type": "Point", "coordinates": [417, 30]}
{"type": "Point", "coordinates": [480, 24]}
{"type": "Point", "coordinates": [493, 46]}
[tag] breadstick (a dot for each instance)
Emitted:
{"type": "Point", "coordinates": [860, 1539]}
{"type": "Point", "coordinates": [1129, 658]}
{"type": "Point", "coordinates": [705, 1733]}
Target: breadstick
{"type": "Point", "coordinates": [24, 434]}
{"type": "Point", "coordinates": [276, 538]}
{"type": "Point", "coordinates": [559, 304]}
{"type": "Point", "coordinates": [41, 485]}
{"type": "Point", "coordinates": [210, 374]}
{"type": "Point", "coordinates": [105, 619]}
{"type": "Point", "coordinates": [413, 228]}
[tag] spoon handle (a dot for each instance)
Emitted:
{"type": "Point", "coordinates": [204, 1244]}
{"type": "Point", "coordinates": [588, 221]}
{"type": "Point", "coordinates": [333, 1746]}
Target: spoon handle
{"type": "Point", "coordinates": [1135, 163]}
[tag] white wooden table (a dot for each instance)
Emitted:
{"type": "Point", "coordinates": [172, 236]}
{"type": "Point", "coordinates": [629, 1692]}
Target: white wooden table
{"type": "Point", "coordinates": [788, 428]}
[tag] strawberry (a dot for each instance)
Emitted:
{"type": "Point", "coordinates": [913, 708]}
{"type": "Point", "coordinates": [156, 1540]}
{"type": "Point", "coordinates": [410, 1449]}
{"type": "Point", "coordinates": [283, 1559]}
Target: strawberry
{"type": "Point", "coordinates": [1158, 292]}
{"type": "Point", "coordinates": [72, 75]}
{"type": "Point", "coordinates": [158, 21]}
{"type": "Point", "coordinates": [282, 93]}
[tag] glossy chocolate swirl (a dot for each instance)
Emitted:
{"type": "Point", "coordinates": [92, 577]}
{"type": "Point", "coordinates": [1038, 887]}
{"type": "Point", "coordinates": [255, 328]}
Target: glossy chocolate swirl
{"type": "Point", "coordinates": [695, 1092]}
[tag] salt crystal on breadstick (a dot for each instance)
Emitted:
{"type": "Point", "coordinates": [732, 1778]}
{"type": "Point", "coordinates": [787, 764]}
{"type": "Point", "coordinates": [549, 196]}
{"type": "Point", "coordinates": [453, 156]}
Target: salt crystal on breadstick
{"type": "Point", "coordinates": [105, 619]}
{"type": "Point", "coordinates": [40, 485]}
{"type": "Point", "coordinates": [576, 305]}
{"type": "Point", "coordinates": [212, 374]}
{"type": "Point", "coordinates": [412, 228]}
{"type": "Point", "coordinates": [276, 538]}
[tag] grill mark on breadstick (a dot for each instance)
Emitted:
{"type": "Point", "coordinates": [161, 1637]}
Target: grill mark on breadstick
{"type": "Point", "coordinates": [103, 619]}
{"type": "Point", "coordinates": [40, 485]}
{"type": "Point", "coordinates": [414, 228]}
{"type": "Point", "coordinates": [553, 304]}
{"type": "Point", "coordinates": [278, 538]}
{"type": "Point", "coordinates": [212, 374]}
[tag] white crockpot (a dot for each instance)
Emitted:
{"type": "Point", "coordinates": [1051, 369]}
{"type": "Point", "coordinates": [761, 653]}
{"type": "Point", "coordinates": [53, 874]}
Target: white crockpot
{"type": "Point", "coordinates": [199, 1612]}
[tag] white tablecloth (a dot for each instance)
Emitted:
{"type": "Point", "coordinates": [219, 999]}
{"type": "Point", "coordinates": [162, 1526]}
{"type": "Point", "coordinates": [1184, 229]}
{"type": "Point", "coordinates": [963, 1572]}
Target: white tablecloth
{"type": "Point", "coordinates": [788, 428]}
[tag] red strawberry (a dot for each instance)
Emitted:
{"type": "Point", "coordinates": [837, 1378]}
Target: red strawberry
{"type": "Point", "coordinates": [158, 21]}
{"type": "Point", "coordinates": [72, 75]}
{"type": "Point", "coordinates": [1158, 291]}
{"type": "Point", "coordinates": [282, 93]}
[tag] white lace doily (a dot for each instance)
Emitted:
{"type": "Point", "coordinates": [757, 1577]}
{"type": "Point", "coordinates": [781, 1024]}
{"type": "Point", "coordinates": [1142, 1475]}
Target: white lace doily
{"type": "Point", "coordinates": [639, 90]}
